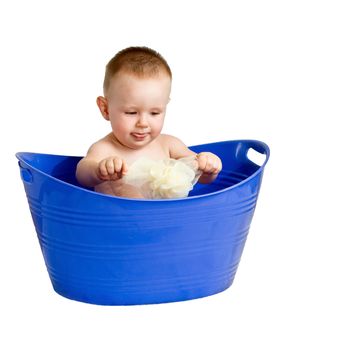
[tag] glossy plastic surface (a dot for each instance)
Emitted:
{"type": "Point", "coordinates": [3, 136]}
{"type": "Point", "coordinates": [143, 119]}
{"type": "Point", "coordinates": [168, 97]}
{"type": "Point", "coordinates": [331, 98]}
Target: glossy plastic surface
{"type": "Point", "coordinates": [116, 251]}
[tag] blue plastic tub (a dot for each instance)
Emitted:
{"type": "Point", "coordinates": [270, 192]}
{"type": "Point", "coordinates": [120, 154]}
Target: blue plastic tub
{"type": "Point", "coordinates": [117, 251]}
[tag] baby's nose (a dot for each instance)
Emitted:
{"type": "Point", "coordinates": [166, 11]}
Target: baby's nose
{"type": "Point", "coordinates": [142, 122]}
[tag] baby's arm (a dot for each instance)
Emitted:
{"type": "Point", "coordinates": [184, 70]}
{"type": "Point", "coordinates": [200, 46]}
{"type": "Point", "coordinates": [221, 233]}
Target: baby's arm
{"type": "Point", "coordinates": [96, 167]}
{"type": "Point", "coordinates": [209, 163]}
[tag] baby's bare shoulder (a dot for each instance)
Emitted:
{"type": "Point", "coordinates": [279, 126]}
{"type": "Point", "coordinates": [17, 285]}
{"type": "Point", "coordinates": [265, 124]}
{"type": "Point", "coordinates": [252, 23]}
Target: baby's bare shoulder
{"type": "Point", "coordinates": [166, 139]}
{"type": "Point", "coordinates": [177, 149]}
{"type": "Point", "coordinates": [103, 148]}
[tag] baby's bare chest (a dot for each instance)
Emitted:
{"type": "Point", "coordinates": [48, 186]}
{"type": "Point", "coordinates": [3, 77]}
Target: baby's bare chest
{"type": "Point", "coordinates": [155, 155]}
{"type": "Point", "coordinates": [155, 151]}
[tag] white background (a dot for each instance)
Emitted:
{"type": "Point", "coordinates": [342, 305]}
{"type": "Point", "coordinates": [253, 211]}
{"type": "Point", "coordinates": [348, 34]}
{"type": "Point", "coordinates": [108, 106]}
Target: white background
{"type": "Point", "coordinates": [276, 71]}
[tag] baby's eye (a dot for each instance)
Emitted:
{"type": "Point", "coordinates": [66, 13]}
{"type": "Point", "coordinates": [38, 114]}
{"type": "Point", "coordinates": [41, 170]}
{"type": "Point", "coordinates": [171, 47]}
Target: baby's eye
{"type": "Point", "coordinates": [155, 113]}
{"type": "Point", "coordinates": [130, 113]}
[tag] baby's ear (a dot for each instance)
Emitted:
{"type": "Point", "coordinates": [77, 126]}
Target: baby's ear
{"type": "Point", "coordinates": [102, 104]}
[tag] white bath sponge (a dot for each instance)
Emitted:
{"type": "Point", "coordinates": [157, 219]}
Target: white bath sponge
{"type": "Point", "coordinates": [166, 178]}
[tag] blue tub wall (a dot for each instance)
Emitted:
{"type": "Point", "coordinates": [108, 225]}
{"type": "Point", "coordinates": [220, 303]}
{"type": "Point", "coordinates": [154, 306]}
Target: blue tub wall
{"type": "Point", "coordinates": [110, 250]}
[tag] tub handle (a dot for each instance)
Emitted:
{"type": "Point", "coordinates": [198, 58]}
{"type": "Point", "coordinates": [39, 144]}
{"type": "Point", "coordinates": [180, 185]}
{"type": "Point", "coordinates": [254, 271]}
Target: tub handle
{"type": "Point", "coordinates": [26, 174]}
{"type": "Point", "coordinates": [257, 146]}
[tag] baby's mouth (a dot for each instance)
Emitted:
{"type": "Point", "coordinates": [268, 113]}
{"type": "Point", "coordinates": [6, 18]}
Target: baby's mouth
{"type": "Point", "coordinates": [139, 135]}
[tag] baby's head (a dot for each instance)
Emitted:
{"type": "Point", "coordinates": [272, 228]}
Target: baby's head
{"type": "Point", "coordinates": [136, 89]}
{"type": "Point", "coordinates": [141, 62]}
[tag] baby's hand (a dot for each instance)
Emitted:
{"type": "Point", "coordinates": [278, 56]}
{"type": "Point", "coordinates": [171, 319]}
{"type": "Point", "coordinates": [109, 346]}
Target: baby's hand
{"type": "Point", "coordinates": [209, 163]}
{"type": "Point", "coordinates": [111, 168]}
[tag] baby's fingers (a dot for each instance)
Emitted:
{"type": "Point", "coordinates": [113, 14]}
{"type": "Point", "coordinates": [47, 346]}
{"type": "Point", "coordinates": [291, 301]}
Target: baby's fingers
{"type": "Point", "coordinates": [206, 164]}
{"type": "Point", "coordinates": [103, 168]}
{"type": "Point", "coordinates": [110, 166]}
{"type": "Point", "coordinates": [124, 168]}
{"type": "Point", "coordinates": [120, 167]}
{"type": "Point", "coordinates": [209, 164]}
{"type": "Point", "coordinates": [216, 167]}
{"type": "Point", "coordinates": [202, 162]}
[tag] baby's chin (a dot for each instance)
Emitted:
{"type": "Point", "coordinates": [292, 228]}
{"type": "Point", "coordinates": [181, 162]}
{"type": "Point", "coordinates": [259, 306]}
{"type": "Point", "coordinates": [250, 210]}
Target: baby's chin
{"type": "Point", "coordinates": [138, 143]}
{"type": "Point", "coordinates": [133, 142]}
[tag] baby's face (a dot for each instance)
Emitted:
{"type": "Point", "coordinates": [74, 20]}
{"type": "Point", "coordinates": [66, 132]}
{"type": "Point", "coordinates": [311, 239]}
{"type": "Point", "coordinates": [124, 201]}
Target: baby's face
{"type": "Point", "coordinates": [137, 106]}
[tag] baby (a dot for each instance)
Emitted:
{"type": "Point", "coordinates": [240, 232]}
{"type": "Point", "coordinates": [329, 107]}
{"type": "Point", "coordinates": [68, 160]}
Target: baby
{"type": "Point", "coordinates": [136, 89]}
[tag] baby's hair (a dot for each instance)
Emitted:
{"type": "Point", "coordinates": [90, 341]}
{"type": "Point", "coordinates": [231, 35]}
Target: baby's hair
{"type": "Point", "coordinates": [141, 61]}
